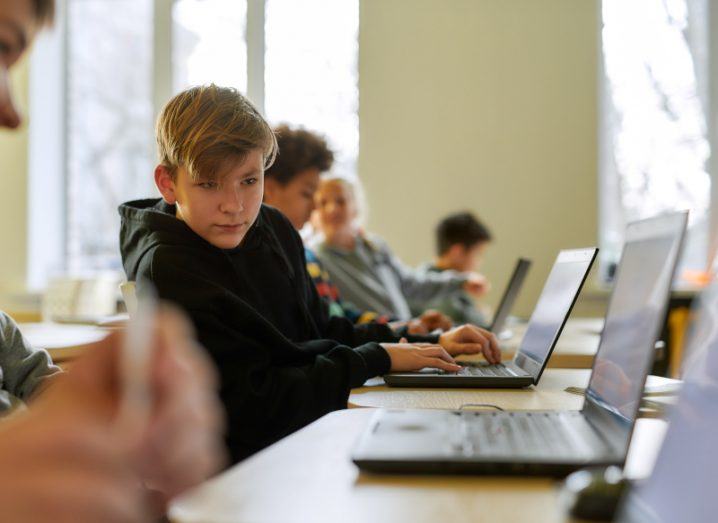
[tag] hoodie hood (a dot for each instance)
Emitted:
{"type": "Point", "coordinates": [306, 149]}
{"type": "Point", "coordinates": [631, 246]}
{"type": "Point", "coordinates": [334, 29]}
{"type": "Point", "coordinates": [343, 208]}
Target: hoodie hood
{"type": "Point", "coordinates": [149, 223]}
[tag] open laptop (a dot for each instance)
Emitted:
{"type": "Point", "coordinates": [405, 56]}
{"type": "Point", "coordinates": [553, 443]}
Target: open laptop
{"type": "Point", "coordinates": [547, 320]}
{"type": "Point", "coordinates": [509, 298]}
{"type": "Point", "coordinates": [550, 442]}
{"type": "Point", "coordinates": [682, 484]}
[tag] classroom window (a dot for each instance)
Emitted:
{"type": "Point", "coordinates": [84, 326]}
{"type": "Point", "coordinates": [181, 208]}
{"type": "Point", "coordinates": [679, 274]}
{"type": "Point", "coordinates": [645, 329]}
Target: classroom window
{"type": "Point", "coordinates": [311, 76]}
{"type": "Point", "coordinates": [112, 94]}
{"type": "Point", "coordinates": [109, 147]}
{"type": "Point", "coordinates": [655, 145]}
{"type": "Point", "coordinates": [209, 43]}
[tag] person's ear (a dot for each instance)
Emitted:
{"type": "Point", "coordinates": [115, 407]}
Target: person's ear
{"type": "Point", "coordinates": [271, 186]}
{"type": "Point", "coordinates": [9, 116]}
{"type": "Point", "coordinates": [165, 184]}
{"type": "Point", "coordinates": [456, 252]}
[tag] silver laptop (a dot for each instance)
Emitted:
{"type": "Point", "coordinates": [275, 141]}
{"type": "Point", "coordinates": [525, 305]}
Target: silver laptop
{"type": "Point", "coordinates": [682, 485]}
{"type": "Point", "coordinates": [512, 291]}
{"type": "Point", "coordinates": [547, 321]}
{"type": "Point", "coordinates": [550, 442]}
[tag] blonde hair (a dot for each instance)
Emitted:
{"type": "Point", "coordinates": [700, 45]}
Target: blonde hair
{"type": "Point", "coordinates": [204, 127]}
{"type": "Point", "coordinates": [355, 190]}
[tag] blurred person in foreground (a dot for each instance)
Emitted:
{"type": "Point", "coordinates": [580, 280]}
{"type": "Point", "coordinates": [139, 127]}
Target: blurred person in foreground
{"type": "Point", "coordinates": [68, 460]}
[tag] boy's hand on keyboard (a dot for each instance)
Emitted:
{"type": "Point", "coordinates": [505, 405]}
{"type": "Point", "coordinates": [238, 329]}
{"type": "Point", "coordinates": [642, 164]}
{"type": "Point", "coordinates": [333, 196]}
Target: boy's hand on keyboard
{"type": "Point", "coordinates": [470, 339]}
{"type": "Point", "coordinates": [410, 357]}
{"type": "Point", "coordinates": [430, 320]}
{"type": "Point", "coordinates": [433, 319]}
{"type": "Point", "coordinates": [414, 326]}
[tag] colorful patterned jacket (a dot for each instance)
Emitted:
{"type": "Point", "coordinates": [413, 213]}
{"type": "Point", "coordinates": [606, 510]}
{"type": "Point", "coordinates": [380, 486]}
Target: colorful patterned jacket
{"type": "Point", "coordinates": [330, 293]}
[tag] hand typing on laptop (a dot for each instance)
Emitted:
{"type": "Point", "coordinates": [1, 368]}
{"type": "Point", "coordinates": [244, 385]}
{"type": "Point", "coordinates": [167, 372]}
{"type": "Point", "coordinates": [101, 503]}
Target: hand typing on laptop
{"type": "Point", "coordinates": [555, 302]}
{"type": "Point", "coordinates": [415, 356]}
{"type": "Point", "coordinates": [433, 319]}
{"type": "Point", "coordinates": [470, 339]}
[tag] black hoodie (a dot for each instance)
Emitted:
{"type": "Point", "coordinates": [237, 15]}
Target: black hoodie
{"type": "Point", "coordinates": [283, 362]}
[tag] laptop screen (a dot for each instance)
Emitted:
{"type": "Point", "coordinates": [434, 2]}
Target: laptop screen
{"type": "Point", "coordinates": [635, 314]}
{"type": "Point", "coordinates": [510, 295]}
{"type": "Point", "coordinates": [681, 487]}
{"type": "Point", "coordinates": [557, 297]}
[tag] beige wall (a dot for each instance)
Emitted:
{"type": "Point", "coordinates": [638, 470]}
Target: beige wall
{"type": "Point", "coordinates": [13, 196]}
{"type": "Point", "coordinates": [485, 105]}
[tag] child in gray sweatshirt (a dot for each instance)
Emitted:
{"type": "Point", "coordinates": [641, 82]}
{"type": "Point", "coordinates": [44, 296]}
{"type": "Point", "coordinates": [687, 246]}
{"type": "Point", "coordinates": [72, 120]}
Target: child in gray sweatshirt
{"type": "Point", "coordinates": [22, 367]}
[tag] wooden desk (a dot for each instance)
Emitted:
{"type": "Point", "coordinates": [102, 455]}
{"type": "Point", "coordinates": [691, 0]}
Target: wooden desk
{"type": "Point", "coordinates": [63, 341]}
{"type": "Point", "coordinates": [308, 476]}
{"type": "Point", "coordinates": [550, 394]}
{"type": "Point", "coordinates": [575, 348]}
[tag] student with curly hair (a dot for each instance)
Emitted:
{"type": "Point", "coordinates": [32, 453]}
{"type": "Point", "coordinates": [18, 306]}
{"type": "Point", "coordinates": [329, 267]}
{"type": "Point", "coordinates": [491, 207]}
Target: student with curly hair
{"type": "Point", "coordinates": [290, 185]}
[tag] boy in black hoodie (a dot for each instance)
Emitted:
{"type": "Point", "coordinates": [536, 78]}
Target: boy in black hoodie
{"type": "Point", "coordinates": [237, 267]}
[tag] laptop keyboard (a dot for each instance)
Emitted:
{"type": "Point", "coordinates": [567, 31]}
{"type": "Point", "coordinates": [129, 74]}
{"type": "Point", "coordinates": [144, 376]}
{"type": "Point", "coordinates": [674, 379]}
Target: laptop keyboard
{"type": "Point", "coordinates": [485, 370]}
{"type": "Point", "coordinates": [540, 434]}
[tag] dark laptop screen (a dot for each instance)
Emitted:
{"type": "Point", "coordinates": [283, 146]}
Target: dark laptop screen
{"type": "Point", "coordinates": [510, 295]}
{"type": "Point", "coordinates": [681, 487]}
{"type": "Point", "coordinates": [558, 294]}
{"type": "Point", "coordinates": [635, 314]}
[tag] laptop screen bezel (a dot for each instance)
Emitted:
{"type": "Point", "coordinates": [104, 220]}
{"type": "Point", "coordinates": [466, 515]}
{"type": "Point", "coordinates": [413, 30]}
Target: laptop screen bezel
{"type": "Point", "coordinates": [523, 360]}
{"type": "Point", "coordinates": [616, 427]}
